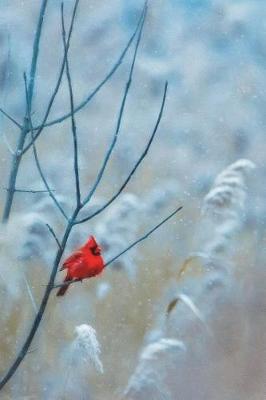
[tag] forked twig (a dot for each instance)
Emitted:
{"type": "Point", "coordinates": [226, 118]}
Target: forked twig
{"type": "Point", "coordinates": [139, 161]}
{"type": "Point", "coordinates": [37, 161]}
{"type": "Point", "coordinates": [73, 219]}
{"type": "Point", "coordinates": [119, 119]}
{"type": "Point", "coordinates": [53, 234]}
{"type": "Point", "coordinates": [141, 239]}
{"type": "Point", "coordinates": [58, 83]}
{"type": "Point", "coordinates": [8, 116]}
{"type": "Point", "coordinates": [73, 122]}
{"type": "Point", "coordinates": [16, 158]}
{"type": "Point", "coordinates": [24, 128]}
{"type": "Point", "coordinates": [89, 97]}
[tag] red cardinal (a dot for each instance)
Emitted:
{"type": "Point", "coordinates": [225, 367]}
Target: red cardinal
{"type": "Point", "coordinates": [85, 262]}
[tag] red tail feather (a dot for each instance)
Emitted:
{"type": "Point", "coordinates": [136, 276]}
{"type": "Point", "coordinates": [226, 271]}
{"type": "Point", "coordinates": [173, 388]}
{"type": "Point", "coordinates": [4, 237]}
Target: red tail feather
{"type": "Point", "coordinates": [62, 290]}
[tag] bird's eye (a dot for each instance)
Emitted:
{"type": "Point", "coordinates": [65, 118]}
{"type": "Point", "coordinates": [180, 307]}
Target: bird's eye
{"type": "Point", "coordinates": [96, 251]}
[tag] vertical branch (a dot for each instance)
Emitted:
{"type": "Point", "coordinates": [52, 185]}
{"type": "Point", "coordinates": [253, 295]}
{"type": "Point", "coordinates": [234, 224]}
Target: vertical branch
{"type": "Point", "coordinates": [134, 169]}
{"type": "Point", "coordinates": [120, 115]}
{"type": "Point", "coordinates": [37, 320]}
{"type": "Point", "coordinates": [128, 248]}
{"type": "Point", "coordinates": [5, 83]}
{"type": "Point", "coordinates": [56, 202]}
{"type": "Point", "coordinates": [21, 147]}
{"type": "Point", "coordinates": [35, 54]}
{"type": "Point", "coordinates": [73, 123]}
{"type": "Point", "coordinates": [73, 219]}
{"type": "Point", "coordinates": [89, 96]}
{"type": "Point", "coordinates": [18, 154]}
{"type": "Point", "coordinates": [58, 82]}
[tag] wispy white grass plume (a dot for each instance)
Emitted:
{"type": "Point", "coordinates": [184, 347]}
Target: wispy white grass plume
{"type": "Point", "coordinates": [148, 380]}
{"type": "Point", "coordinates": [77, 362]}
{"type": "Point", "coordinates": [153, 350]}
{"type": "Point", "coordinates": [86, 347]}
{"type": "Point", "coordinates": [205, 281]}
{"type": "Point", "coordinates": [228, 193]}
{"type": "Point", "coordinates": [224, 205]}
{"type": "Point", "coordinates": [187, 300]}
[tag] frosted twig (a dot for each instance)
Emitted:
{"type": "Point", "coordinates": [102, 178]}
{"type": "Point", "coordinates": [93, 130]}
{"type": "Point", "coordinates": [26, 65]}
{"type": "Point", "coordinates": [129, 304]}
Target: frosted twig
{"type": "Point", "coordinates": [139, 161]}
{"type": "Point", "coordinates": [119, 119]}
{"type": "Point", "coordinates": [89, 97]}
{"type": "Point", "coordinates": [53, 234]}
{"type": "Point", "coordinates": [29, 190]}
{"type": "Point", "coordinates": [46, 184]}
{"type": "Point", "coordinates": [58, 83]}
{"type": "Point", "coordinates": [16, 159]}
{"type": "Point", "coordinates": [141, 239]}
{"type": "Point", "coordinates": [73, 123]}
{"type": "Point", "coordinates": [11, 118]}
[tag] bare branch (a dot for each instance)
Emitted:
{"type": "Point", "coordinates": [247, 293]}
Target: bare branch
{"type": "Point", "coordinates": [94, 91]}
{"type": "Point", "coordinates": [24, 129]}
{"type": "Point", "coordinates": [144, 236]}
{"type": "Point", "coordinates": [73, 122]}
{"type": "Point", "coordinates": [58, 83]}
{"type": "Point", "coordinates": [98, 87]}
{"type": "Point", "coordinates": [35, 54]}
{"type": "Point", "coordinates": [141, 239]}
{"type": "Point", "coordinates": [119, 119]}
{"type": "Point", "coordinates": [72, 220]}
{"type": "Point", "coordinates": [143, 155]}
{"type": "Point", "coordinates": [6, 79]}
{"type": "Point", "coordinates": [36, 322]}
{"type": "Point", "coordinates": [11, 118]}
{"type": "Point", "coordinates": [54, 235]}
{"type": "Point", "coordinates": [57, 204]}
{"type": "Point", "coordinates": [28, 190]}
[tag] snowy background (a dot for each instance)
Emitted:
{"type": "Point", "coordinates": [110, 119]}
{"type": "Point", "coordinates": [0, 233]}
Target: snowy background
{"type": "Point", "coordinates": [210, 258]}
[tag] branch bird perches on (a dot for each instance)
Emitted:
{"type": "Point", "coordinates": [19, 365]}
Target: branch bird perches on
{"type": "Point", "coordinates": [22, 146]}
{"type": "Point", "coordinates": [74, 218]}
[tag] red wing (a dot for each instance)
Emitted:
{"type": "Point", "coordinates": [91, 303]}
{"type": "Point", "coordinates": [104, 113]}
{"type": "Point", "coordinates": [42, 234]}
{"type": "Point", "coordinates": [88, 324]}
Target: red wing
{"type": "Point", "coordinates": [73, 258]}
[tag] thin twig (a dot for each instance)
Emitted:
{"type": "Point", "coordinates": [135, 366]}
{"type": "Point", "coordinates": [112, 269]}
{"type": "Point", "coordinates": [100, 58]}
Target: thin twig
{"type": "Point", "coordinates": [73, 122]}
{"type": "Point", "coordinates": [21, 149]}
{"type": "Point", "coordinates": [8, 116]}
{"type": "Point", "coordinates": [49, 287]}
{"type": "Point", "coordinates": [36, 322]}
{"type": "Point", "coordinates": [143, 155]}
{"type": "Point", "coordinates": [4, 90]}
{"type": "Point", "coordinates": [54, 235]}
{"type": "Point", "coordinates": [36, 45]}
{"type": "Point", "coordinates": [58, 83]}
{"type": "Point", "coordinates": [29, 190]}
{"type": "Point", "coordinates": [96, 89]}
{"type": "Point", "coordinates": [119, 119]}
{"type": "Point", "coordinates": [56, 202]}
{"type": "Point", "coordinates": [141, 239]}
{"type": "Point", "coordinates": [16, 159]}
